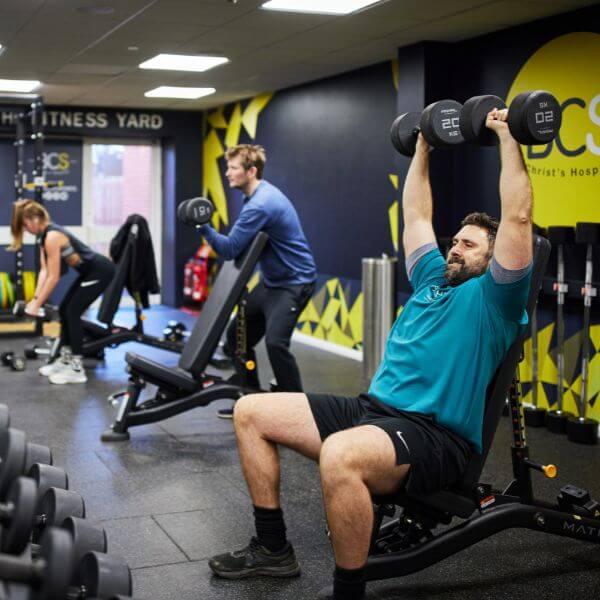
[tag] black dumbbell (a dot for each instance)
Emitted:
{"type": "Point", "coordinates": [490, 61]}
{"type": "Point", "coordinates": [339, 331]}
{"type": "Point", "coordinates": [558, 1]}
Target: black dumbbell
{"type": "Point", "coordinates": [46, 312]}
{"type": "Point", "coordinates": [22, 514]}
{"type": "Point", "coordinates": [17, 456]}
{"type": "Point", "coordinates": [533, 118]}
{"type": "Point", "coordinates": [439, 123]}
{"type": "Point", "coordinates": [195, 211]}
{"type": "Point", "coordinates": [45, 577]}
{"type": "Point", "coordinates": [14, 361]}
{"type": "Point", "coordinates": [175, 331]}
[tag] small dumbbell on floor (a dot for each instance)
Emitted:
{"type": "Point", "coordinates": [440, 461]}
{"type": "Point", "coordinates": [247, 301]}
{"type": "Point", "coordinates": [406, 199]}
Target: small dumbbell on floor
{"type": "Point", "coordinates": [13, 360]}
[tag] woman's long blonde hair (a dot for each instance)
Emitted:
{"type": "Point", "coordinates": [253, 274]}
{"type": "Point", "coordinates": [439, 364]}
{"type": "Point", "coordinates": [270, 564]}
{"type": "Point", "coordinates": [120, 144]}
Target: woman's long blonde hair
{"type": "Point", "coordinates": [25, 209]}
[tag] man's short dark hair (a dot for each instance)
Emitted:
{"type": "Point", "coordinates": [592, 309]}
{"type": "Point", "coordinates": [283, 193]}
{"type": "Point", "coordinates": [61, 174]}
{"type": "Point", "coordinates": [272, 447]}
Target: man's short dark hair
{"type": "Point", "coordinates": [483, 220]}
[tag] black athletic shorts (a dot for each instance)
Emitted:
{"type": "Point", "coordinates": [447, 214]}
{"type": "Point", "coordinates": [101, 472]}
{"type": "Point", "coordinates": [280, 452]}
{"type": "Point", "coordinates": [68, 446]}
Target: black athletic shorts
{"type": "Point", "coordinates": [437, 456]}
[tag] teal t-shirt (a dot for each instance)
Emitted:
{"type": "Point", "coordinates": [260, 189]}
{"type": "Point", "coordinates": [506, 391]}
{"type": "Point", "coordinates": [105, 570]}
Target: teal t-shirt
{"type": "Point", "coordinates": [447, 343]}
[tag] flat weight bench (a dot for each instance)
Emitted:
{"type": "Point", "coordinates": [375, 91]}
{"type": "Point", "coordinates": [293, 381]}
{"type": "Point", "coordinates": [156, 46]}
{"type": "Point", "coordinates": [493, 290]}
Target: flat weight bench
{"type": "Point", "coordinates": [188, 386]}
{"type": "Point", "coordinates": [408, 544]}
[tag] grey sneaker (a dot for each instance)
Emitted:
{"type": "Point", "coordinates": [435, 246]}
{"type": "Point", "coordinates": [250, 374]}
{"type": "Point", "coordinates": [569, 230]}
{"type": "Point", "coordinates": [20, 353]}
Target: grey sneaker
{"type": "Point", "coordinates": [57, 365]}
{"type": "Point", "coordinates": [73, 373]}
{"type": "Point", "coordinates": [255, 560]}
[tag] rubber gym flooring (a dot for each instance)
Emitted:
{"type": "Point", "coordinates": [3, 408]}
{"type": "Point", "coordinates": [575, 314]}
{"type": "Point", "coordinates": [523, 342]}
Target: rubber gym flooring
{"type": "Point", "coordinates": [174, 495]}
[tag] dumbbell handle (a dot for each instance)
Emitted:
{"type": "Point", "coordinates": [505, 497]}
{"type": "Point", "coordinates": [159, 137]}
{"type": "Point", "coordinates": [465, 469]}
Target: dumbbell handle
{"type": "Point", "coordinates": [15, 569]}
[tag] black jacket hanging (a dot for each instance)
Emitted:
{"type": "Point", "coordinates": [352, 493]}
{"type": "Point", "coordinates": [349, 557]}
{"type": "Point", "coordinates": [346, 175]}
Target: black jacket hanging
{"type": "Point", "coordinates": [141, 276]}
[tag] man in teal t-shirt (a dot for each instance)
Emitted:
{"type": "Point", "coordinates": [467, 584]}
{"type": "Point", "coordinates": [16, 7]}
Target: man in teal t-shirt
{"type": "Point", "coordinates": [422, 418]}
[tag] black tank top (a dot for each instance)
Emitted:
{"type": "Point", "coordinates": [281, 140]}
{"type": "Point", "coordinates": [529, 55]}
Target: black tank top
{"type": "Point", "coordinates": [86, 254]}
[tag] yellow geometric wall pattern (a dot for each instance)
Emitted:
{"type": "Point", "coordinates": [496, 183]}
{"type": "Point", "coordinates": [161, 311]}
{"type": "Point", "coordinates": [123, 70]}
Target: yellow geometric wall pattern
{"type": "Point", "coordinates": [214, 149]}
{"type": "Point", "coordinates": [548, 372]}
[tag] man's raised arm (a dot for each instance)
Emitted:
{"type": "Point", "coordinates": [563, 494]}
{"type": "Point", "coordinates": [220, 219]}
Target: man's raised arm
{"type": "Point", "coordinates": [417, 203]}
{"type": "Point", "coordinates": [513, 247]}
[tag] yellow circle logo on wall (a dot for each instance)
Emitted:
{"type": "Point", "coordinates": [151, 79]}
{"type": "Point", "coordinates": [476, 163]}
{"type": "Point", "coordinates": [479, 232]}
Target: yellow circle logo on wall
{"type": "Point", "coordinates": [565, 174]}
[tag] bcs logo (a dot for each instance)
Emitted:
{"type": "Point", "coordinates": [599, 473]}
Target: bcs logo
{"type": "Point", "coordinates": [56, 161]}
{"type": "Point", "coordinates": [565, 173]}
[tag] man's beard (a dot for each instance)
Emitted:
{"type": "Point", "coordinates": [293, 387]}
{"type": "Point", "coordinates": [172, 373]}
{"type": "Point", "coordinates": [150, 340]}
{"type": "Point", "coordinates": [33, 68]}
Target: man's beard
{"type": "Point", "coordinates": [455, 277]}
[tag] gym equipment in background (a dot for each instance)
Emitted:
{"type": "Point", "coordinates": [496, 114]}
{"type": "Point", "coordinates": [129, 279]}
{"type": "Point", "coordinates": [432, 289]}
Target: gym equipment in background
{"type": "Point", "coordinates": [582, 429]}
{"type": "Point", "coordinates": [559, 236]}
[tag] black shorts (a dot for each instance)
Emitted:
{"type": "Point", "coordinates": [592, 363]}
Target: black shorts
{"type": "Point", "coordinates": [437, 456]}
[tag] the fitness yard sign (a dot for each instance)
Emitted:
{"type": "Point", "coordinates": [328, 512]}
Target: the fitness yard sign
{"type": "Point", "coordinates": [565, 173]}
{"type": "Point", "coordinates": [92, 119]}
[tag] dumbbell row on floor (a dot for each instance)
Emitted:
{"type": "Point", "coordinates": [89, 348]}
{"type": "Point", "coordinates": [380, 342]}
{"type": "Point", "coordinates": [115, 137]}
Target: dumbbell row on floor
{"type": "Point", "coordinates": [54, 574]}
{"type": "Point", "coordinates": [41, 501]}
{"type": "Point", "coordinates": [533, 118]}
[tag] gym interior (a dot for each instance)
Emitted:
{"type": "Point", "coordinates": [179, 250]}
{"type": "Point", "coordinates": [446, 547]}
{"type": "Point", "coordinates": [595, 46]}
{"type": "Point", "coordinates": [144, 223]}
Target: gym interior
{"type": "Point", "coordinates": [336, 93]}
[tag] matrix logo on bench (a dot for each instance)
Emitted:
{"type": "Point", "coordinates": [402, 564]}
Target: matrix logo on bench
{"type": "Point", "coordinates": [579, 528]}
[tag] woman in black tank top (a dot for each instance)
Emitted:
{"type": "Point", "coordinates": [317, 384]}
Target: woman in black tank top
{"type": "Point", "coordinates": [59, 250]}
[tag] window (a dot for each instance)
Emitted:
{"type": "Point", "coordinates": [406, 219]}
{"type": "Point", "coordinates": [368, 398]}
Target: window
{"type": "Point", "coordinates": [121, 178]}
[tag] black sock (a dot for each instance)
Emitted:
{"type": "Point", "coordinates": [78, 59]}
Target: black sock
{"type": "Point", "coordinates": [270, 528]}
{"type": "Point", "coordinates": [349, 584]}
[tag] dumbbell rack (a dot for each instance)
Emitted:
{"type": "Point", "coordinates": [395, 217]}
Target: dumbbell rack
{"type": "Point", "coordinates": [29, 127]}
{"type": "Point", "coordinates": [48, 550]}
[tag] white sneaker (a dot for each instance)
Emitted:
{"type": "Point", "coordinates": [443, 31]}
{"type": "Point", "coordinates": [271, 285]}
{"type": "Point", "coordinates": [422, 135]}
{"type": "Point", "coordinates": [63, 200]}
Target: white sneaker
{"type": "Point", "coordinates": [73, 373]}
{"type": "Point", "coordinates": [58, 364]}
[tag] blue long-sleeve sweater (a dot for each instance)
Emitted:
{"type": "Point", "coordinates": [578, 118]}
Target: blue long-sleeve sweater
{"type": "Point", "coordinates": [287, 258]}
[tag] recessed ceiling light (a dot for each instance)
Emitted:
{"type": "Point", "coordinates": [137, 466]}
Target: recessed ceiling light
{"type": "Point", "coordinates": [327, 7]}
{"type": "Point", "coordinates": [183, 62]}
{"type": "Point", "coordinates": [96, 10]}
{"type": "Point", "coordinates": [133, 48]}
{"type": "Point", "coordinates": [187, 93]}
{"type": "Point", "coordinates": [18, 85]}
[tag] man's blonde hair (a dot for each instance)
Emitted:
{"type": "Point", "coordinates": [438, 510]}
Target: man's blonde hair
{"type": "Point", "coordinates": [251, 155]}
{"type": "Point", "coordinates": [25, 209]}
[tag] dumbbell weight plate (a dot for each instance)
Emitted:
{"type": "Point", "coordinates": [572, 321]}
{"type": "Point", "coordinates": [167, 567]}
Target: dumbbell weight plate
{"type": "Point", "coordinates": [534, 417]}
{"type": "Point", "coordinates": [403, 133]}
{"type": "Point", "coordinates": [31, 351]}
{"type": "Point", "coordinates": [4, 418]}
{"type": "Point", "coordinates": [7, 357]}
{"type": "Point", "coordinates": [56, 550]}
{"type": "Point", "coordinates": [104, 576]}
{"type": "Point", "coordinates": [534, 117]}
{"type": "Point", "coordinates": [18, 363]}
{"type": "Point", "coordinates": [582, 431]}
{"type": "Point", "coordinates": [556, 421]}
{"type": "Point", "coordinates": [473, 117]}
{"type": "Point", "coordinates": [12, 457]}
{"type": "Point", "coordinates": [59, 504]}
{"type": "Point", "coordinates": [440, 124]}
{"type": "Point", "coordinates": [36, 453]}
{"type": "Point", "coordinates": [86, 538]}
{"type": "Point", "coordinates": [46, 477]}
{"type": "Point", "coordinates": [181, 214]}
{"type": "Point", "coordinates": [22, 496]}
{"type": "Point", "coordinates": [198, 211]}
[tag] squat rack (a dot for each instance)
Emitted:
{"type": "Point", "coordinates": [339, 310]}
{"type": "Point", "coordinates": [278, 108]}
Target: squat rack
{"type": "Point", "coordinates": [29, 127]}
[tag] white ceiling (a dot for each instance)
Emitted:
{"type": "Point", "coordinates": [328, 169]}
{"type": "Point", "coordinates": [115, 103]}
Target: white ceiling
{"type": "Point", "coordinates": [83, 59]}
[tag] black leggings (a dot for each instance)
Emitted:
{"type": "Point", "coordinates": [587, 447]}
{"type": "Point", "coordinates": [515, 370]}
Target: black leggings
{"type": "Point", "coordinates": [92, 281]}
{"type": "Point", "coordinates": [273, 313]}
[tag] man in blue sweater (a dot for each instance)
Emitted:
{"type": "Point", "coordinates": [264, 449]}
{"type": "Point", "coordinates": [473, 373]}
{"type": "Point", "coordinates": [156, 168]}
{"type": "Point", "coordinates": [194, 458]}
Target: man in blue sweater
{"type": "Point", "coordinates": [286, 264]}
{"type": "Point", "coordinates": [423, 415]}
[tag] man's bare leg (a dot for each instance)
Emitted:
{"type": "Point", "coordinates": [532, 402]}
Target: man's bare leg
{"type": "Point", "coordinates": [261, 422]}
{"type": "Point", "coordinates": [354, 464]}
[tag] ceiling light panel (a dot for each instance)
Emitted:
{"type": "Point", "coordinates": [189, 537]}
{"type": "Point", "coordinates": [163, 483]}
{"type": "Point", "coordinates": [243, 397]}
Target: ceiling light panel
{"type": "Point", "coordinates": [326, 7]}
{"type": "Point", "coordinates": [18, 85]}
{"type": "Point", "coordinates": [183, 62]}
{"type": "Point", "coordinates": [186, 93]}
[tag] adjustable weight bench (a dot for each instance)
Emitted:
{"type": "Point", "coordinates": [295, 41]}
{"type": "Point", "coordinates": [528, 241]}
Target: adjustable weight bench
{"type": "Point", "coordinates": [188, 386]}
{"type": "Point", "coordinates": [408, 544]}
{"type": "Point", "coordinates": [108, 335]}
